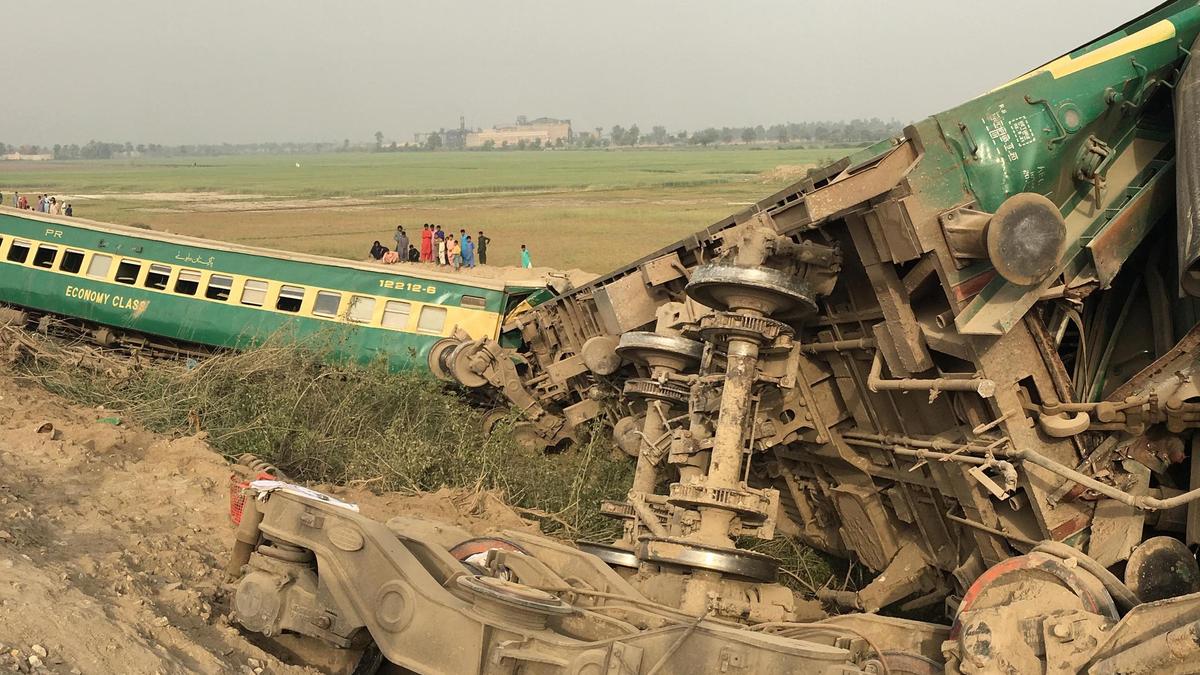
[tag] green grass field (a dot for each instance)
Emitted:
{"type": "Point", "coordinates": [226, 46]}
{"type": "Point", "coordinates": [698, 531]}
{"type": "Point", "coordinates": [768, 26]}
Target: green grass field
{"type": "Point", "coordinates": [591, 210]}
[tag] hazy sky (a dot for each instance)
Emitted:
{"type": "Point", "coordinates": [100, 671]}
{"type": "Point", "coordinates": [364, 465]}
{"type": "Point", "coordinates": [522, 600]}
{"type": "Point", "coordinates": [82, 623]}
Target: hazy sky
{"type": "Point", "coordinates": [176, 71]}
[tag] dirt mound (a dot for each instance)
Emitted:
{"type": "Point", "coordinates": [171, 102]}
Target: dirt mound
{"type": "Point", "coordinates": [112, 545]}
{"type": "Point", "coordinates": [529, 276]}
{"type": "Point", "coordinates": [477, 511]}
{"type": "Point", "coordinates": [113, 542]}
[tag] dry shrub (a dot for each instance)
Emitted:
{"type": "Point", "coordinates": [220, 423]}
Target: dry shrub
{"type": "Point", "coordinates": [344, 423]}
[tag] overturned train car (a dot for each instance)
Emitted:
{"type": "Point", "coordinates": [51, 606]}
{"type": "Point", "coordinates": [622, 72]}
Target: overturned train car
{"type": "Point", "coordinates": [961, 357]}
{"type": "Point", "coordinates": [965, 357]}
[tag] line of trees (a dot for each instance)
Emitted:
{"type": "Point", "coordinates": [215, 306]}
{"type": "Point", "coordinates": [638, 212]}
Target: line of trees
{"type": "Point", "coordinates": [832, 133]}
{"type": "Point", "coordinates": [107, 150]}
{"type": "Point", "coordinates": [793, 134]}
{"type": "Point", "coordinates": [823, 133]}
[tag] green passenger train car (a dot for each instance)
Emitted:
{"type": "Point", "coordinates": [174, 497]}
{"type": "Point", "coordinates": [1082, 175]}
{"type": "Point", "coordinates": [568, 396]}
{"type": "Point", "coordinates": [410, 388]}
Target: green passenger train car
{"type": "Point", "coordinates": [221, 295]}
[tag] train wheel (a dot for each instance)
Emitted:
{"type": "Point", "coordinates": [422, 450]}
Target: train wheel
{"type": "Point", "coordinates": [627, 434]}
{"type": "Point", "coordinates": [904, 663]}
{"type": "Point", "coordinates": [492, 419]}
{"type": "Point", "coordinates": [1161, 568]}
{"type": "Point", "coordinates": [437, 358]}
{"type": "Point", "coordinates": [460, 366]}
{"type": "Point", "coordinates": [526, 434]}
{"type": "Point", "coordinates": [992, 626]}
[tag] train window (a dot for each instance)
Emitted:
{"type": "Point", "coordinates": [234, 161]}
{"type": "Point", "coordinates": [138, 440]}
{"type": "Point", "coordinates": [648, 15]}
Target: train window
{"type": "Point", "coordinates": [18, 252]}
{"type": "Point", "coordinates": [45, 256]}
{"type": "Point", "coordinates": [219, 286]}
{"type": "Point", "coordinates": [395, 314]}
{"type": "Point", "coordinates": [188, 282]}
{"type": "Point", "coordinates": [72, 261]}
{"type": "Point", "coordinates": [254, 293]}
{"type": "Point", "coordinates": [362, 309]}
{"type": "Point", "coordinates": [99, 265]}
{"type": "Point", "coordinates": [473, 301]}
{"type": "Point", "coordinates": [432, 319]}
{"type": "Point", "coordinates": [127, 271]}
{"type": "Point", "coordinates": [327, 303]}
{"type": "Point", "coordinates": [290, 298]}
{"type": "Point", "coordinates": [158, 276]}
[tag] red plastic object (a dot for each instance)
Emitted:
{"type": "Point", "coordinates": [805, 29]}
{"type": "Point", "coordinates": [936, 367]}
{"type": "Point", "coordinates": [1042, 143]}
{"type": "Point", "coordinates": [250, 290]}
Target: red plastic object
{"type": "Point", "coordinates": [237, 494]}
{"type": "Point", "coordinates": [470, 547]}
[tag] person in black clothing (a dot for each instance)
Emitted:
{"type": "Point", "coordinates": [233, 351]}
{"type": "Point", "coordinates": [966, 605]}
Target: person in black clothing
{"type": "Point", "coordinates": [377, 250]}
{"type": "Point", "coordinates": [481, 248]}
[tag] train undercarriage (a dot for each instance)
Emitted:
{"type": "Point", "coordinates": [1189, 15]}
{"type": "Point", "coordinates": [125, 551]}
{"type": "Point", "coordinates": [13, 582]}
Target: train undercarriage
{"type": "Point", "coordinates": [965, 358]}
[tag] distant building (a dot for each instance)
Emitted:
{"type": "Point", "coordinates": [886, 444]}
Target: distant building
{"type": "Point", "coordinates": [545, 130]}
{"type": "Point", "coordinates": [456, 139]}
{"type": "Point", "coordinates": [16, 156]}
{"type": "Point", "coordinates": [450, 139]}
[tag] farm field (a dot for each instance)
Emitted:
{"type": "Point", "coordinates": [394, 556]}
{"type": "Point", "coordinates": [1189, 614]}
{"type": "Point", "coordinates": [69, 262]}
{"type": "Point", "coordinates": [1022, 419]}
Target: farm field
{"type": "Point", "coordinates": [589, 210]}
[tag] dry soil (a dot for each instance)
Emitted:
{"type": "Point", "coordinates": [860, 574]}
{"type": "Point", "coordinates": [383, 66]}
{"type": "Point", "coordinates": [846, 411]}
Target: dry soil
{"type": "Point", "coordinates": [113, 542]}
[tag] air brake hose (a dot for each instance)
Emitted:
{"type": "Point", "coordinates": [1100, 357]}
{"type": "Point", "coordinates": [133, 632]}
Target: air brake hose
{"type": "Point", "coordinates": [1120, 593]}
{"type": "Point", "coordinates": [1143, 502]}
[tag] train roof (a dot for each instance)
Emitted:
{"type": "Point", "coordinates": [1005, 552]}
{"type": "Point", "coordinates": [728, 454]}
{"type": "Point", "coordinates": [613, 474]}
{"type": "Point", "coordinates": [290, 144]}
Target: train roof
{"type": "Point", "coordinates": [405, 270]}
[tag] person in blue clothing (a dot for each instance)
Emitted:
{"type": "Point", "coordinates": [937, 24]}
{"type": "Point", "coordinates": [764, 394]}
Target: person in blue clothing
{"type": "Point", "coordinates": [462, 238]}
{"type": "Point", "coordinates": [468, 252]}
{"type": "Point", "coordinates": [526, 260]}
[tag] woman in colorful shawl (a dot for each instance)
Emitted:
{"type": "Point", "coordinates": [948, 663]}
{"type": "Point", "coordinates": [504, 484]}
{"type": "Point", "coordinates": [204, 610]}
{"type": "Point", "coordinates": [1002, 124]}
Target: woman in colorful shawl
{"type": "Point", "coordinates": [427, 244]}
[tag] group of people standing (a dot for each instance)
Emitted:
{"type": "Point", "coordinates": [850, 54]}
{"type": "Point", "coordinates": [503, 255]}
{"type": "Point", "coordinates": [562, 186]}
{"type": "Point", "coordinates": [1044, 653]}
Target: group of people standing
{"type": "Point", "coordinates": [440, 247]}
{"type": "Point", "coordinates": [45, 204]}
